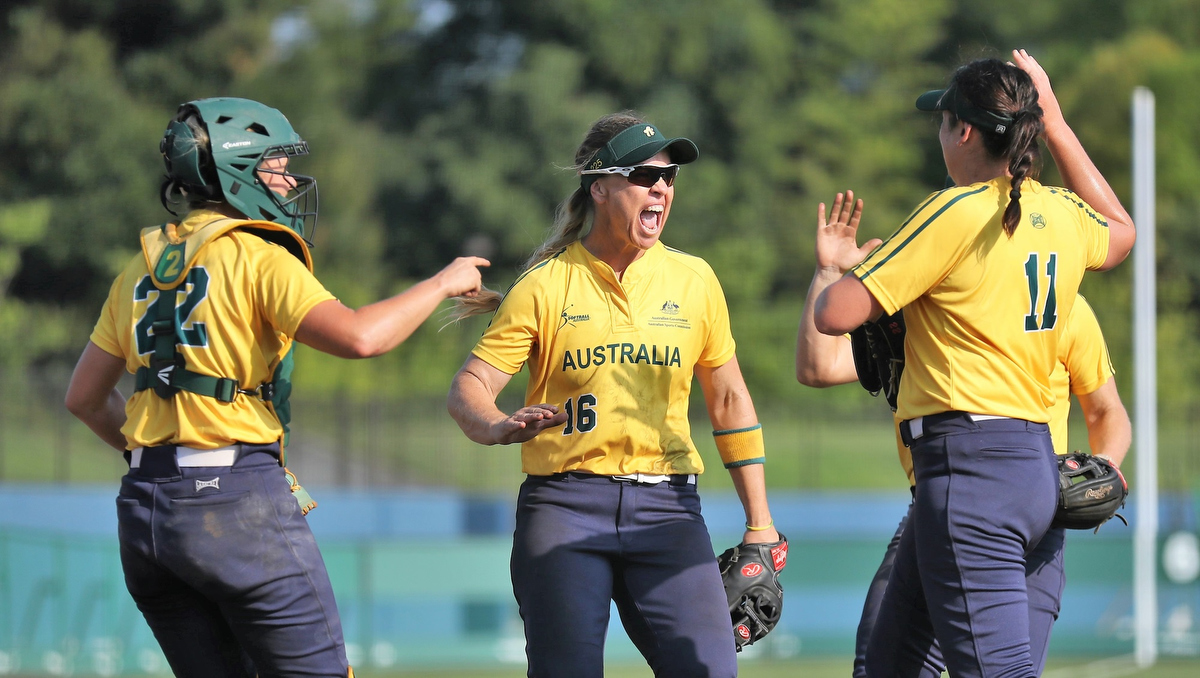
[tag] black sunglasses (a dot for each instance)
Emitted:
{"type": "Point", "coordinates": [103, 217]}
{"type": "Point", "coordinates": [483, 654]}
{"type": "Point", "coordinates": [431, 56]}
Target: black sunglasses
{"type": "Point", "coordinates": [642, 175]}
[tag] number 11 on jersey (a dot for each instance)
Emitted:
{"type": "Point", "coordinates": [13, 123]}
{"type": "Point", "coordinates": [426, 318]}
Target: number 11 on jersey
{"type": "Point", "coordinates": [1050, 308]}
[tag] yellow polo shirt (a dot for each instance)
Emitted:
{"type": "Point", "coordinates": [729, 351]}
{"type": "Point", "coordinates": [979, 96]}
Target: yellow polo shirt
{"type": "Point", "coordinates": [982, 309]}
{"type": "Point", "coordinates": [1083, 366]}
{"type": "Point", "coordinates": [616, 355]}
{"type": "Point", "coordinates": [238, 308]}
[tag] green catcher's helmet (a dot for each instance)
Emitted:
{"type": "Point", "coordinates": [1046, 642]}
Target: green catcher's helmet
{"type": "Point", "coordinates": [241, 134]}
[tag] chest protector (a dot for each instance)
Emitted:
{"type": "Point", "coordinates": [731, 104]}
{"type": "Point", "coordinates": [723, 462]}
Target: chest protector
{"type": "Point", "coordinates": [169, 257]}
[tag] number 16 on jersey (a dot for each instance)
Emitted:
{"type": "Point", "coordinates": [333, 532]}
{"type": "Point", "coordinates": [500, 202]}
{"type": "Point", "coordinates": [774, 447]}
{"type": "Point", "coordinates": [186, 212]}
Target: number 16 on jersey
{"type": "Point", "coordinates": [581, 414]}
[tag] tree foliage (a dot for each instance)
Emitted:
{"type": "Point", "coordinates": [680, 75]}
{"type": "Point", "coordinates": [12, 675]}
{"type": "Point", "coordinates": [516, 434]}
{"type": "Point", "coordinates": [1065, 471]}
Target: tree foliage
{"type": "Point", "coordinates": [440, 127]}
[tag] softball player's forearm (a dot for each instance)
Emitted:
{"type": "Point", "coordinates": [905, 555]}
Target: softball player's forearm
{"type": "Point", "coordinates": [473, 408]}
{"type": "Point", "coordinates": [92, 395]}
{"type": "Point", "coordinates": [372, 330]}
{"type": "Point", "coordinates": [750, 483]}
{"type": "Point", "coordinates": [378, 328]}
{"type": "Point", "coordinates": [821, 360]}
{"type": "Point", "coordinates": [107, 421]}
{"type": "Point", "coordinates": [1081, 175]}
{"type": "Point", "coordinates": [1109, 430]}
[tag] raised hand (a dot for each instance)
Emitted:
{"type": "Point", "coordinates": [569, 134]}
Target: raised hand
{"type": "Point", "coordinates": [837, 247]}
{"type": "Point", "coordinates": [461, 278]}
{"type": "Point", "coordinates": [1051, 112]}
{"type": "Point", "coordinates": [527, 422]}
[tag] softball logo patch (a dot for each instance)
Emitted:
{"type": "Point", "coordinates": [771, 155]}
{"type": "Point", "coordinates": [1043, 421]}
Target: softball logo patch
{"type": "Point", "coordinates": [752, 570]}
{"type": "Point", "coordinates": [1037, 220]}
{"type": "Point", "coordinates": [743, 631]}
{"type": "Point", "coordinates": [779, 556]}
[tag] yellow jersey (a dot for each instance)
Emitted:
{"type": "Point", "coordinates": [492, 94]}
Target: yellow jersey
{"type": "Point", "coordinates": [983, 309]}
{"type": "Point", "coordinates": [239, 306]}
{"type": "Point", "coordinates": [616, 355]}
{"type": "Point", "coordinates": [1083, 365]}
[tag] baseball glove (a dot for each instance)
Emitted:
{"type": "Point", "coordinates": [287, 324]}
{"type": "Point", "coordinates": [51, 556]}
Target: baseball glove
{"type": "Point", "coordinates": [878, 349]}
{"type": "Point", "coordinates": [1090, 491]}
{"type": "Point", "coordinates": [750, 573]}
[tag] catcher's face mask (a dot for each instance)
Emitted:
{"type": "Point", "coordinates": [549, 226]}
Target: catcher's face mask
{"type": "Point", "coordinates": [247, 142]}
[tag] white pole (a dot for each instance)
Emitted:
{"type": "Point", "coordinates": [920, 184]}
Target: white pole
{"type": "Point", "coordinates": [1145, 372]}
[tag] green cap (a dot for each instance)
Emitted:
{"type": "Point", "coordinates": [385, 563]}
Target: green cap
{"type": "Point", "coordinates": [950, 99]}
{"type": "Point", "coordinates": [638, 144]}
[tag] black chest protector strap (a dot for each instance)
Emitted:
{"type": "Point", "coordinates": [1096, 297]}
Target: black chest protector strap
{"type": "Point", "coordinates": [167, 373]}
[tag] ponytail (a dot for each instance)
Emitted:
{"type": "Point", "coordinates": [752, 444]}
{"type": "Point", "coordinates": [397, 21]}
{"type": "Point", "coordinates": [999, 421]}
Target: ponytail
{"type": "Point", "coordinates": [1023, 154]}
{"type": "Point", "coordinates": [992, 85]}
{"type": "Point", "coordinates": [570, 218]}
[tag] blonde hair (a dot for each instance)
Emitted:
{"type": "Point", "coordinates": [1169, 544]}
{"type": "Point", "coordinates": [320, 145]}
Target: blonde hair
{"type": "Point", "coordinates": [570, 217]}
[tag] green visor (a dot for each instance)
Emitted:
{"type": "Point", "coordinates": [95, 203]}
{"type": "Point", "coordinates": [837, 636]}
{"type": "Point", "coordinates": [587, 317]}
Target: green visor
{"type": "Point", "coordinates": [950, 99]}
{"type": "Point", "coordinates": [636, 145]}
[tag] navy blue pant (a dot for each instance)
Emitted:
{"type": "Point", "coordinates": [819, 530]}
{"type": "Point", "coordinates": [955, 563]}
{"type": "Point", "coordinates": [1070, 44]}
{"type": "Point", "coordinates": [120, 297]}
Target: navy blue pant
{"type": "Point", "coordinates": [1045, 579]}
{"type": "Point", "coordinates": [986, 494]}
{"type": "Point", "coordinates": [223, 566]}
{"type": "Point", "coordinates": [582, 541]}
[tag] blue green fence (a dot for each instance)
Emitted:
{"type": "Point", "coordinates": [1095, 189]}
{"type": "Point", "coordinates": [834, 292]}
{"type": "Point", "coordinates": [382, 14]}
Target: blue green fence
{"type": "Point", "coordinates": [421, 579]}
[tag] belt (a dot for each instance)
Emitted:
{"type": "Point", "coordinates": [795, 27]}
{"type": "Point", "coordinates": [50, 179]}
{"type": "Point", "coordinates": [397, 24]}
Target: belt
{"type": "Point", "coordinates": [654, 479]}
{"type": "Point", "coordinates": [190, 456]}
{"type": "Point", "coordinates": [633, 478]}
{"type": "Point", "coordinates": [916, 427]}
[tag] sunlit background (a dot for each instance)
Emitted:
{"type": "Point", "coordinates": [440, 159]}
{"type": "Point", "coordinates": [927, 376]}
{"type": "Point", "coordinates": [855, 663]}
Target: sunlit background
{"type": "Point", "coordinates": [439, 128]}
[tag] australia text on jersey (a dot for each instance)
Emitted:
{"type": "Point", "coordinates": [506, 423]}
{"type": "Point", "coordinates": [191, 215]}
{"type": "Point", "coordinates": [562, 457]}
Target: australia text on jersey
{"type": "Point", "coordinates": [624, 353]}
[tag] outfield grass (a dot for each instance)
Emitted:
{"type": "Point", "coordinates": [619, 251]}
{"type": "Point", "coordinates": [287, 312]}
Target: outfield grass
{"type": "Point", "coordinates": [840, 668]}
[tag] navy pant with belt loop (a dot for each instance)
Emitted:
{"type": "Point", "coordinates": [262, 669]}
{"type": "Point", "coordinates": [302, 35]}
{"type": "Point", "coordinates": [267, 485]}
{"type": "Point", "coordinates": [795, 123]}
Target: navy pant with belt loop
{"type": "Point", "coordinates": [584, 540]}
{"type": "Point", "coordinates": [986, 494]}
{"type": "Point", "coordinates": [1045, 579]}
{"type": "Point", "coordinates": [225, 570]}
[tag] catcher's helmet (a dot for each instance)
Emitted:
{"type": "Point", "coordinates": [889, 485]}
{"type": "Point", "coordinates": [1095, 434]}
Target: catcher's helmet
{"type": "Point", "coordinates": [241, 133]}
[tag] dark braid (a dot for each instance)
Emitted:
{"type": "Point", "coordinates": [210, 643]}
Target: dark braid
{"type": "Point", "coordinates": [1002, 88]}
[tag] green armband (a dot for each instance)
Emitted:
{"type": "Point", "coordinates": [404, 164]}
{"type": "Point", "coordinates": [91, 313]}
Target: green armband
{"type": "Point", "coordinates": [741, 446]}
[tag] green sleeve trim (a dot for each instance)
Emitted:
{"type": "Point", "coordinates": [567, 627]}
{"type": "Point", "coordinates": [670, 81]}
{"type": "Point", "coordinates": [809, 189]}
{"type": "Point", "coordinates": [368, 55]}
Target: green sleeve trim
{"type": "Point", "coordinates": [746, 462]}
{"type": "Point", "coordinates": [863, 275]}
{"type": "Point", "coordinates": [729, 431]}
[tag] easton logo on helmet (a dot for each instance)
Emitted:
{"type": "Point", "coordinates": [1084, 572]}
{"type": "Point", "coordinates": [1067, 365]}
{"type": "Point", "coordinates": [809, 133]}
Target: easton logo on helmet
{"type": "Point", "coordinates": [752, 570]}
{"type": "Point", "coordinates": [235, 144]}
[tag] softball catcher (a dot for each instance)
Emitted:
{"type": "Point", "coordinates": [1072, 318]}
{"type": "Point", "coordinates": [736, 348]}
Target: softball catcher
{"type": "Point", "coordinates": [216, 551]}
